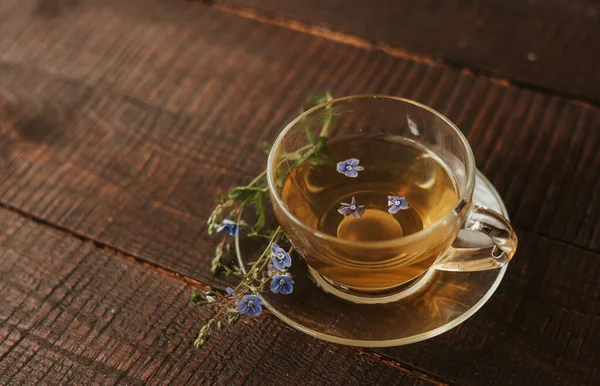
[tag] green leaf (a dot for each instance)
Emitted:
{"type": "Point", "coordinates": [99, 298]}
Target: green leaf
{"type": "Point", "coordinates": [214, 219]}
{"type": "Point", "coordinates": [244, 193]}
{"type": "Point", "coordinates": [266, 234]}
{"type": "Point", "coordinates": [268, 147]}
{"type": "Point", "coordinates": [280, 177]}
{"type": "Point", "coordinates": [201, 340]}
{"type": "Point", "coordinates": [197, 298]}
{"type": "Point", "coordinates": [309, 135]}
{"type": "Point", "coordinates": [235, 271]}
{"type": "Point", "coordinates": [217, 261]}
{"type": "Point", "coordinates": [321, 159]}
{"type": "Point", "coordinates": [321, 155]}
{"type": "Point", "coordinates": [204, 335]}
{"type": "Point", "coordinates": [317, 99]}
{"type": "Point", "coordinates": [261, 210]}
{"type": "Point", "coordinates": [233, 318]}
{"type": "Point", "coordinates": [322, 144]}
{"type": "Point", "coordinates": [326, 116]}
{"type": "Point", "coordinates": [255, 198]}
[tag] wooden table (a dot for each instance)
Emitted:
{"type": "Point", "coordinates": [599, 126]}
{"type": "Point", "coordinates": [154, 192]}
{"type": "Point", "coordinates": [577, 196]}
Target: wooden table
{"type": "Point", "coordinates": [121, 120]}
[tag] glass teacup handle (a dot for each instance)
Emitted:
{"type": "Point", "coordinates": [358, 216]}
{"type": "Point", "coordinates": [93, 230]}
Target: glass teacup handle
{"type": "Point", "coordinates": [480, 258]}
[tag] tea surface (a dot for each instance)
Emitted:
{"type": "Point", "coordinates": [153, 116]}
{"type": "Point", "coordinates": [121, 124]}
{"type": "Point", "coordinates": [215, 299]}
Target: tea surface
{"type": "Point", "coordinates": [393, 166]}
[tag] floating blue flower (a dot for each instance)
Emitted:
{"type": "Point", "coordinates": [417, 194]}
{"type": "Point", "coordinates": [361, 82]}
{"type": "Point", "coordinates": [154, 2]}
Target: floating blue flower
{"type": "Point", "coordinates": [229, 226]}
{"type": "Point", "coordinates": [282, 284]}
{"type": "Point", "coordinates": [281, 259]}
{"type": "Point", "coordinates": [396, 204]}
{"type": "Point", "coordinates": [352, 209]}
{"type": "Point", "coordinates": [349, 167]}
{"type": "Point", "coordinates": [250, 305]}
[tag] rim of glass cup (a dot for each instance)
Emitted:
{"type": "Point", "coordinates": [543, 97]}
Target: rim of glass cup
{"type": "Point", "coordinates": [465, 197]}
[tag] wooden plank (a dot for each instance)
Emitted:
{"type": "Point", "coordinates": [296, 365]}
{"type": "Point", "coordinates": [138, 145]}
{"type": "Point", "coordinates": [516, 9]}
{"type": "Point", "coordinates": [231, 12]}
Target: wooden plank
{"type": "Point", "coordinates": [550, 44]}
{"type": "Point", "coordinates": [140, 179]}
{"type": "Point", "coordinates": [557, 141]}
{"type": "Point", "coordinates": [235, 83]}
{"type": "Point", "coordinates": [73, 314]}
{"type": "Point", "coordinates": [113, 171]}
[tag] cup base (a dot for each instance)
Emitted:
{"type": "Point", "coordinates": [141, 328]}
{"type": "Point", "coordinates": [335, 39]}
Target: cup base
{"type": "Point", "coordinates": [371, 297]}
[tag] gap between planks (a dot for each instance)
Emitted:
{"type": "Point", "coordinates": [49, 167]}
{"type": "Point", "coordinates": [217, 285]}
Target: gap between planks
{"type": "Point", "coordinates": [359, 42]}
{"type": "Point", "coordinates": [107, 248]}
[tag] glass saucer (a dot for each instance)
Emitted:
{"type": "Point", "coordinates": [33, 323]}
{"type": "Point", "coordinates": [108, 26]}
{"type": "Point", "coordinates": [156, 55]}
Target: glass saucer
{"type": "Point", "coordinates": [437, 302]}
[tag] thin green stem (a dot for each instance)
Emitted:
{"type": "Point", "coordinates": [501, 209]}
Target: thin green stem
{"type": "Point", "coordinates": [257, 178]}
{"type": "Point", "coordinates": [263, 259]}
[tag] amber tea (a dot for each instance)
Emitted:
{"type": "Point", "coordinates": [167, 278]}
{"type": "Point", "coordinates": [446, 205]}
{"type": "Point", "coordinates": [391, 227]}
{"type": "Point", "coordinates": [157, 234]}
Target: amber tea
{"type": "Point", "coordinates": [378, 189]}
{"type": "Point", "coordinates": [387, 188]}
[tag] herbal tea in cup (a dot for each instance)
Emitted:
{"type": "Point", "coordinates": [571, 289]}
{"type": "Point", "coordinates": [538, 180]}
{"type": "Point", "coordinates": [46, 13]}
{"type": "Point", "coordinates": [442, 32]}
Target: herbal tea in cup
{"type": "Point", "coordinates": [373, 190]}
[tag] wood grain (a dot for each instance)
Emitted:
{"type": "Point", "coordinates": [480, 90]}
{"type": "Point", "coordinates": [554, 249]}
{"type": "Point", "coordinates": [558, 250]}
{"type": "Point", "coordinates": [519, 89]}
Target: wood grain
{"type": "Point", "coordinates": [74, 314]}
{"type": "Point", "coordinates": [106, 166]}
{"type": "Point", "coordinates": [256, 84]}
{"type": "Point", "coordinates": [120, 121]}
{"type": "Point", "coordinates": [111, 177]}
{"type": "Point", "coordinates": [550, 44]}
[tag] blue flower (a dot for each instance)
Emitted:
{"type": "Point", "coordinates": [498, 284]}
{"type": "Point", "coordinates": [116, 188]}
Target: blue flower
{"type": "Point", "coordinates": [281, 259]}
{"type": "Point", "coordinates": [349, 167]}
{"type": "Point", "coordinates": [229, 226]}
{"type": "Point", "coordinates": [282, 284]}
{"type": "Point", "coordinates": [352, 209]}
{"type": "Point", "coordinates": [396, 204]}
{"type": "Point", "coordinates": [250, 305]}
{"type": "Point", "coordinates": [230, 292]}
{"type": "Point", "coordinates": [271, 270]}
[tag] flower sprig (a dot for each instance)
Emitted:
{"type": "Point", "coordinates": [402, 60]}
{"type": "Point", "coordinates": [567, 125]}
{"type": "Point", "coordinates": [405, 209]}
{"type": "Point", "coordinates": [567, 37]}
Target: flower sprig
{"type": "Point", "coordinates": [244, 299]}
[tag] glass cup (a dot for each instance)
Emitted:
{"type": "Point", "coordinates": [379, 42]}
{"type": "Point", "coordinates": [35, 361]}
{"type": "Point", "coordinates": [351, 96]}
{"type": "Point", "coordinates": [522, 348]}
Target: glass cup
{"type": "Point", "coordinates": [381, 267]}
